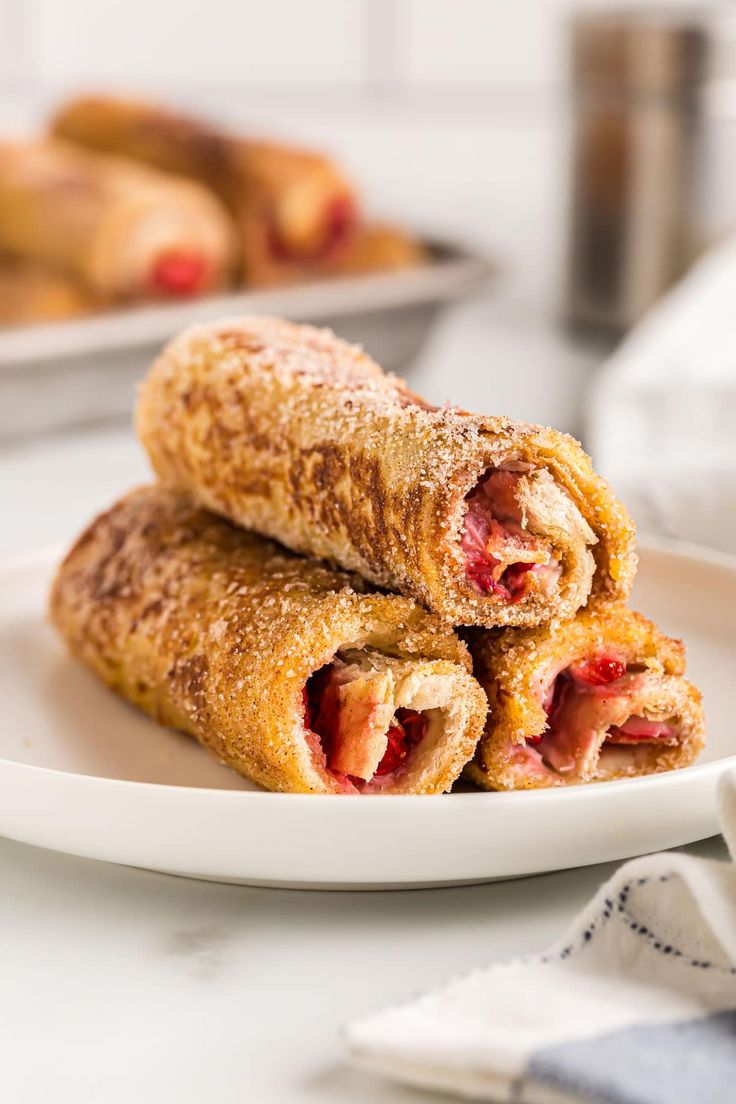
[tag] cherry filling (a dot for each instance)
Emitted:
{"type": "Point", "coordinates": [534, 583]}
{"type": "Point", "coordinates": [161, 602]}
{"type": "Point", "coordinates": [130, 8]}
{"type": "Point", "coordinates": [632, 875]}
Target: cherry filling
{"type": "Point", "coordinates": [338, 219]}
{"type": "Point", "coordinates": [322, 716]}
{"type": "Point", "coordinates": [178, 273]}
{"type": "Point", "coordinates": [589, 698]}
{"type": "Point", "coordinates": [500, 554]}
{"type": "Point", "coordinates": [600, 670]}
{"type": "Point", "coordinates": [405, 733]}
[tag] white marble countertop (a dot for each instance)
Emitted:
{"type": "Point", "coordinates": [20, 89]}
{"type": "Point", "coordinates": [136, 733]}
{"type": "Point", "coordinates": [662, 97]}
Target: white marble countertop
{"type": "Point", "coordinates": [120, 985]}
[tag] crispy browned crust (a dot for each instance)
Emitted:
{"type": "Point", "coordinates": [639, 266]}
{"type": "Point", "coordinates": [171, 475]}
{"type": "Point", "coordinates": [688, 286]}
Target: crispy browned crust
{"type": "Point", "coordinates": [253, 178]}
{"type": "Point", "coordinates": [291, 432]}
{"type": "Point", "coordinates": [104, 221]}
{"type": "Point", "coordinates": [513, 664]}
{"type": "Point", "coordinates": [215, 631]}
{"type": "Point", "coordinates": [33, 293]}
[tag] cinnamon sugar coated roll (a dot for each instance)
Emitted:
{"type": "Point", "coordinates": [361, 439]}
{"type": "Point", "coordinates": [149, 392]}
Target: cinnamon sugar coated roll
{"type": "Point", "coordinates": [588, 700]}
{"type": "Point", "coordinates": [121, 229]}
{"type": "Point", "coordinates": [291, 673]}
{"type": "Point", "coordinates": [289, 431]}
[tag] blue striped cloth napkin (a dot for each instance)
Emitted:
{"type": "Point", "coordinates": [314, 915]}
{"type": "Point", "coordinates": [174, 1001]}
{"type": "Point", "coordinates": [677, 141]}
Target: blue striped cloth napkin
{"type": "Point", "coordinates": [637, 1005]}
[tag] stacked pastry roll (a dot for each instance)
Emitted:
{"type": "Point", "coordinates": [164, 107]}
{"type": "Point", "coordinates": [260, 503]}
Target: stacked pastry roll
{"type": "Point", "coordinates": [290, 671]}
{"type": "Point", "coordinates": [30, 292]}
{"type": "Point", "coordinates": [288, 660]}
{"type": "Point", "coordinates": [595, 698]}
{"type": "Point", "coordinates": [289, 431]}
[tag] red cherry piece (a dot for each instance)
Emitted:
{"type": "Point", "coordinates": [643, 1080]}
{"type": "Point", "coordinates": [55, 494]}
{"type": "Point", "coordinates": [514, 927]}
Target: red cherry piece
{"type": "Point", "coordinates": [483, 569]}
{"type": "Point", "coordinates": [599, 671]}
{"type": "Point", "coordinates": [321, 716]}
{"type": "Point", "coordinates": [480, 570]}
{"type": "Point", "coordinates": [396, 750]}
{"type": "Point", "coordinates": [406, 732]}
{"type": "Point", "coordinates": [178, 274]}
{"type": "Point", "coordinates": [322, 707]}
{"type": "Point", "coordinates": [514, 580]}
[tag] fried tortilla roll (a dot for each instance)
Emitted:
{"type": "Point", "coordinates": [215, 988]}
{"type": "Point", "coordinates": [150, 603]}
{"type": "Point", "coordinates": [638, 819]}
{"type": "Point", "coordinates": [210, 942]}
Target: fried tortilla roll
{"type": "Point", "coordinates": [32, 293]}
{"type": "Point", "coordinates": [293, 207]}
{"type": "Point", "coordinates": [121, 229]}
{"type": "Point", "coordinates": [284, 668]}
{"type": "Point", "coordinates": [289, 431]}
{"type": "Point", "coordinates": [587, 700]}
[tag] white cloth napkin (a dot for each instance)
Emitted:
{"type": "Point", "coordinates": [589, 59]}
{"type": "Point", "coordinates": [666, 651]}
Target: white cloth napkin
{"type": "Point", "coordinates": [661, 424]}
{"type": "Point", "coordinates": [637, 1005]}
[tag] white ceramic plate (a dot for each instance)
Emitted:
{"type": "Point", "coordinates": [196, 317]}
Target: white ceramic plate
{"type": "Point", "coordinates": [83, 772]}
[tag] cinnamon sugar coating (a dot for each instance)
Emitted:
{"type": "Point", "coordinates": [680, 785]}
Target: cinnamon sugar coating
{"type": "Point", "coordinates": [289, 431]}
{"type": "Point", "coordinates": [215, 631]}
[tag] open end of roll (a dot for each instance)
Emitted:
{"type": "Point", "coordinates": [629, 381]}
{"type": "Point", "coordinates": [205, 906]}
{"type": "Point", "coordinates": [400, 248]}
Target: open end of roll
{"type": "Point", "coordinates": [178, 273]}
{"type": "Point", "coordinates": [503, 556]}
{"type": "Point", "coordinates": [598, 724]}
{"type": "Point", "coordinates": [362, 715]}
{"type": "Point", "coordinates": [306, 225]}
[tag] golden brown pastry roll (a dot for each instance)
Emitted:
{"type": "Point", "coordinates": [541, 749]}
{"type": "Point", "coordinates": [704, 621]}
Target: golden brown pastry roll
{"type": "Point", "coordinates": [291, 432]}
{"type": "Point", "coordinates": [122, 229]}
{"type": "Point", "coordinates": [32, 293]}
{"type": "Point", "coordinates": [588, 700]}
{"type": "Point", "coordinates": [292, 207]}
{"type": "Point", "coordinates": [290, 672]}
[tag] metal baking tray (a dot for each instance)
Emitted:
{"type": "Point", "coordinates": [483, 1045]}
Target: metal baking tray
{"type": "Point", "coordinates": [69, 373]}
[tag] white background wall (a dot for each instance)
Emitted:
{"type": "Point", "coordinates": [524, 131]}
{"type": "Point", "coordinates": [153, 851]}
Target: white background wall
{"type": "Point", "coordinates": [357, 45]}
{"type": "Point", "coordinates": [450, 113]}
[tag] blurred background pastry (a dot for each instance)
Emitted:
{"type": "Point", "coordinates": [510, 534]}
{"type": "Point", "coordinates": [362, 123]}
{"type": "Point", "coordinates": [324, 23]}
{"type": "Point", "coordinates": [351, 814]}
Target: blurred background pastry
{"type": "Point", "coordinates": [291, 206]}
{"type": "Point", "coordinates": [31, 293]}
{"type": "Point", "coordinates": [377, 247]}
{"type": "Point", "coordinates": [136, 202]}
{"type": "Point", "coordinates": [121, 229]}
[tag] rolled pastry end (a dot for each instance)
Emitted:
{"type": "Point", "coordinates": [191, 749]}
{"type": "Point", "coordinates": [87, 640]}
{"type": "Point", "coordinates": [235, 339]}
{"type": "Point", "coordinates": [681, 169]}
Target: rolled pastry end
{"type": "Point", "coordinates": [309, 223]}
{"type": "Point", "coordinates": [524, 537]}
{"type": "Point", "coordinates": [590, 700]}
{"type": "Point", "coordinates": [540, 533]}
{"type": "Point", "coordinates": [375, 723]}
